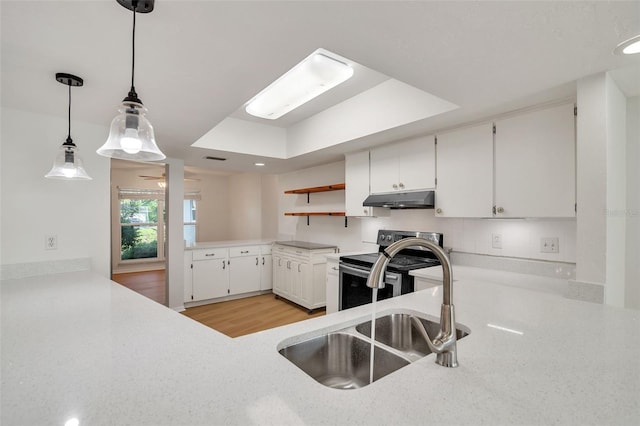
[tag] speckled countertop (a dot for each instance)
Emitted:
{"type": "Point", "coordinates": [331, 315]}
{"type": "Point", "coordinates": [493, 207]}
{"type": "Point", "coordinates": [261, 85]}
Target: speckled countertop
{"type": "Point", "coordinates": [79, 346]}
{"type": "Point", "coordinates": [229, 243]}
{"type": "Point", "coordinates": [306, 245]}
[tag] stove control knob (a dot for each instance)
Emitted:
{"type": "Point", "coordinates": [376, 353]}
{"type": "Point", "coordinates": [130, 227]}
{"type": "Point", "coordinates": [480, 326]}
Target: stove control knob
{"type": "Point", "coordinates": [388, 237]}
{"type": "Point", "coordinates": [381, 237]}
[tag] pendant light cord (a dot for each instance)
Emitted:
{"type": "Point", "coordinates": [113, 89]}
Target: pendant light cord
{"type": "Point", "coordinates": [69, 129]}
{"type": "Point", "coordinates": [133, 46]}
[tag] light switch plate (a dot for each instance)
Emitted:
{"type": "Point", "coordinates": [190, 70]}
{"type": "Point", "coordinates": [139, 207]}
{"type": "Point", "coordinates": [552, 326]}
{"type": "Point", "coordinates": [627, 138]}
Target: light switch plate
{"type": "Point", "coordinates": [496, 241]}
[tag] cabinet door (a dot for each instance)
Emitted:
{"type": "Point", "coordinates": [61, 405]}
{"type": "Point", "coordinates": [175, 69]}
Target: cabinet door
{"type": "Point", "coordinates": [416, 164]}
{"type": "Point", "coordinates": [356, 174]}
{"type": "Point", "coordinates": [384, 169]}
{"type": "Point", "coordinates": [535, 164]}
{"type": "Point", "coordinates": [210, 279]}
{"type": "Point", "coordinates": [266, 272]}
{"type": "Point", "coordinates": [305, 283]}
{"type": "Point", "coordinates": [333, 284]}
{"type": "Point", "coordinates": [244, 274]}
{"type": "Point", "coordinates": [188, 277]}
{"type": "Point", "coordinates": [404, 166]}
{"type": "Point", "coordinates": [465, 172]}
{"type": "Point", "coordinates": [279, 274]}
{"type": "Point", "coordinates": [293, 279]}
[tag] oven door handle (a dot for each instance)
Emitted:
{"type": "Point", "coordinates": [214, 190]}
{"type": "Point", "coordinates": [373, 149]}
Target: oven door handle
{"type": "Point", "coordinates": [364, 273]}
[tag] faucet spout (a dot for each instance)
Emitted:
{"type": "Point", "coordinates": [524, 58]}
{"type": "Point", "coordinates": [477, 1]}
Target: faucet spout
{"type": "Point", "coordinates": [445, 343]}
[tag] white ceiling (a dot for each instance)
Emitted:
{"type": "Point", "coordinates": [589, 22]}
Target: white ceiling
{"type": "Point", "coordinates": [199, 62]}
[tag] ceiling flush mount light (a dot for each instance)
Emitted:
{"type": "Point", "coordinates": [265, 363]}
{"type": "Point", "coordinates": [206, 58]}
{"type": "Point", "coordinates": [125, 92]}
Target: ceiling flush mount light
{"type": "Point", "coordinates": [628, 47]}
{"type": "Point", "coordinates": [68, 164]}
{"type": "Point", "coordinates": [258, 164]}
{"type": "Point", "coordinates": [131, 135]}
{"type": "Point", "coordinates": [316, 74]}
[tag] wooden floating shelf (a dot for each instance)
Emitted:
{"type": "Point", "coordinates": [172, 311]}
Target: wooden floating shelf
{"type": "Point", "coordinates": [326, 188]}
{"type": "Point", "coordinates": [315, 214]}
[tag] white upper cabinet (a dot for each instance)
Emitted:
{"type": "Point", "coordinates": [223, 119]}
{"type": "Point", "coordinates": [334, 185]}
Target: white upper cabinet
{"type": "Point", "coordinates": [527, 168]}
{"type": "Point", "coordinates": [465, 172]}
{"type": "Point", "coordinates": [404, 166]}
{"type": "Point", "coordinates": [535, 165]}
{"type": "Point", "coordinates": [357, 189]}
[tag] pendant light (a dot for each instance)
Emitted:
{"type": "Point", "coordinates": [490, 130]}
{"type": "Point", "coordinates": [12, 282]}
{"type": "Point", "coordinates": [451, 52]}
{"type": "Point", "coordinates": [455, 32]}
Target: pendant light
{"type": "Point", "coordinates": [68, 164]}
{"type": "Point", "coordinates": [131, 135]}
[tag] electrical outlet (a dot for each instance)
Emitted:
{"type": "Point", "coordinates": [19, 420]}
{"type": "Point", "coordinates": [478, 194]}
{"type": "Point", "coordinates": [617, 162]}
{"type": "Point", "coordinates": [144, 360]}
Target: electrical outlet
{"type": "Point", "coordinates": [550, 245]}
{"type": "Point", "coordinates": [496, 241]}
{"type": "Point", "coordinates": [50, 242]}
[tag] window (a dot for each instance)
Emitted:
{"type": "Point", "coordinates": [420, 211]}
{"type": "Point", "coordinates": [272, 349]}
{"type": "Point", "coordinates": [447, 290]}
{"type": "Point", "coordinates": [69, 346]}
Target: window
{"type": "Point", "coordinates": [189, 218]}
{"type": "Point", "coordinates": [139, 225]}
{"type": "Point", "coordinates": [142, 224]}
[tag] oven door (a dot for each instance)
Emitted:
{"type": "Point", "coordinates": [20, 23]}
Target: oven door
{"type": "Point", "coordinates": [354, 290]}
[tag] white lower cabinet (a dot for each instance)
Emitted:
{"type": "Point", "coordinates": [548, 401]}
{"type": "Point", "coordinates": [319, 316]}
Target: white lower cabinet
{"type": "Point", "coordinates": [266, 268]}
{"type": "Point", "coordinates": [210, 276]}
{"type": "Point", "coordinates": [299, 275]}
{"type": "Point", "coordinates": [333, 286]}
{"type": "Point", "coordinates": [244, 269]}
{"type": "Point", "coordinates": [230, 271]}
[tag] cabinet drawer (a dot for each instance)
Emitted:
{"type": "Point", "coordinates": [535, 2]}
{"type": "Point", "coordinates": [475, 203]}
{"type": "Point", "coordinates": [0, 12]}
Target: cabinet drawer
{"type": "Point", "coordinates": [244, 251]}
{"type": "Point", "coordinates": [210, 254]}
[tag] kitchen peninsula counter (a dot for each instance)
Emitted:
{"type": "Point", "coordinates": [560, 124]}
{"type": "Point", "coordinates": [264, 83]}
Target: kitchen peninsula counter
{"type": "Point", "coordinates": [77, 345]}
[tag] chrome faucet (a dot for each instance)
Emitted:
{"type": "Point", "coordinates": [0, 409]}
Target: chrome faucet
{"type": "Point", "coordinates": [445, 343]}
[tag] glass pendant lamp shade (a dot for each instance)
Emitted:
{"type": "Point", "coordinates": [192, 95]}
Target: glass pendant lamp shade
{"type": "Point", "coordinates": [68, 164]}
{"type": "Point", "coordinates": [131, 136]}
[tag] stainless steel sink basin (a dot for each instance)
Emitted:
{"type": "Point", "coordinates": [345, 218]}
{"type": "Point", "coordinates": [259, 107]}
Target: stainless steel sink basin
{"type": "Point", "coordinates": [341, 360]}
{"type": "Point", "coordinates": [340, 357]}
{"type": "Point", "coordinates": [397, 331]}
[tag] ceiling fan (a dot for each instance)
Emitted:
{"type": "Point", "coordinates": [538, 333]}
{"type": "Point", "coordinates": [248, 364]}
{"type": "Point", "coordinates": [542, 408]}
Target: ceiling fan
{"type": "Point", "coordinates": [162, 178]}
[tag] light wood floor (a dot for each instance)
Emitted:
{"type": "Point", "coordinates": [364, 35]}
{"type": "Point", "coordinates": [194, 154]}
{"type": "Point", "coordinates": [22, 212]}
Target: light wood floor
{"type": "Point", "coordinates": [249, 315]}
{"type": "Point", "coordinates": [148, 283]}
{"type": "Point", "coordinates": [233, 318]}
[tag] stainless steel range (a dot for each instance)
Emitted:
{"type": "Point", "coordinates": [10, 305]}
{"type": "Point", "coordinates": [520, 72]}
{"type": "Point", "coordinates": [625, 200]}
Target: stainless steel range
{"type": "Point", "coordinates": [354, 270]}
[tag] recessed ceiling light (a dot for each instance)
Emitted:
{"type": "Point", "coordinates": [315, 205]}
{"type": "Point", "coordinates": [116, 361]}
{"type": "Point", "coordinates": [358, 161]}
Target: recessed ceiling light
{"type": "Point", "coordinates": [628, 47]}
{"type": "Point", "coordinates": [258, 164]}
{"type": "Point", "coordinates": [316, 74]}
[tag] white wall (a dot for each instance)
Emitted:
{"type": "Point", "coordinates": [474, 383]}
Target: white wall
{"type": "Point", "coordinates": [616, 105]}
{"type": "Point", "coordinates": [32, 206]}
{"type": "Point", "coordinates": [520, 238]}
{"type": "Point", "coordinates": [213, 213]}
{"type": "Point", "coordinates": [245, 206]}
{"type": "Point", "coordinates": [632, 272]}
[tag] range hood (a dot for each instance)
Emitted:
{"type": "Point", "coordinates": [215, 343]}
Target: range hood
{"type": "Point", "coordinates": [402, 200]}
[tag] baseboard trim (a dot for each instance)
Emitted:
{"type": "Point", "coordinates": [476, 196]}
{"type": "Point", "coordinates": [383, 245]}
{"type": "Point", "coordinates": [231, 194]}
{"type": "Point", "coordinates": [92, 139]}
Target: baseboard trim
{"type": "Point", "coordinates": [188, 305]}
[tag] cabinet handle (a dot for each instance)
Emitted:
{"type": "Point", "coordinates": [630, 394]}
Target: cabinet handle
{"type": "Point", "coordinates": [395, 186]}
{"type": "Point", "coordinates": [223, 265]}
{"type": "Point", "coordinates": [263, 260]}
{"type": "Point", "coordinates": [500, 209]}
{"type": "Point", "coordinates": [244, 251]}
{"type": "Point", "coordinates": [439, 211]}
{"type": "Point", "coordinates": [209, 254]}
{"type": "Point", "coordinates": [401, 185]}
{"type": "Point", "coordinates": [298, 267]}
{"type": "Point", "coordinates": [365, 210]}
{"type": "Point", "coordinates": [256, 261]}
{"type": "Point", "coordinates": [288, 264]}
